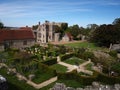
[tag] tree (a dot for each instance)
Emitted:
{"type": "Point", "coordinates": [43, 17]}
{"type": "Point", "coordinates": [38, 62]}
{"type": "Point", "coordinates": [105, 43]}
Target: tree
{"type": "Point", "coordinates": [74, 30]}
{"type": "Point", "coordinates": [64, 26]}
{"type": "Point", "coordinates": [105, 34]}
{"type": "Point", "coordinates": [34, 27]}
{"type": "Point", "coordinates": [116, 21]}
{"type": "Point", "coordinates": [57, 29]}
{"type": "Point", "coordinates": [92, 26]}
{"type": "Point", "coordinates": [1, 25]}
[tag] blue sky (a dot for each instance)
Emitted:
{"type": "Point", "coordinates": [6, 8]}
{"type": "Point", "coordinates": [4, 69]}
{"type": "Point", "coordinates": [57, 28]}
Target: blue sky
{"type": "Point", "coordinates": [81, 12]}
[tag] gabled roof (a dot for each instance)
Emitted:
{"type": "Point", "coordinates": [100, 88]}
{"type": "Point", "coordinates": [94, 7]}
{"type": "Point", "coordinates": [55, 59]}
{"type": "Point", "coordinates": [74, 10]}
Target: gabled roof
{"type": "Point", "coordinates": [16, 35]}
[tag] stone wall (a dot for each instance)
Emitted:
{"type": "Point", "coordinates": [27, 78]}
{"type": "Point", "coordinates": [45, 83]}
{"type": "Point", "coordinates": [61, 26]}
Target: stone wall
{"type": "Point", "coordinates": [21, 44]}
{"type": "Point", "coordinates": [1, 47]}
{"type": "Point", "coordinates": [57, 37]}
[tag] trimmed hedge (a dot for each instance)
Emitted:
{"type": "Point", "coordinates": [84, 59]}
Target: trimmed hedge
{"type": "Point", "coordinates": [84, 80]}
{"type": "Point", "coordinates": [66, 56]}
{"type": "Point", "coordinates": [107, 79]}
{"type": "Point", "coordinates": [85, 55]}
{"type": "Point", "coordinates": [50, 61]}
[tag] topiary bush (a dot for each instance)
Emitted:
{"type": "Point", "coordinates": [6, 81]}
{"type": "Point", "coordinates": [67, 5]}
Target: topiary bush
{"type": "Point", "coordinates": [50, 61]}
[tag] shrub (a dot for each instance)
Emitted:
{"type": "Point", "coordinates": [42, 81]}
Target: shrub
{"type": "Point", "coordinates": [113, 53]}
{"type": "Point", "coordinates": [50, 61]}
{"type": "Point", "coordinates": [88, 80]}
{"type": "Point", "coordinates": [87, 55]}
{"type": "Point", "coordinates": [66, 56]}
{"type": "Point", "coordinates": [107, 79]}
{"type": "Point", "coordinates": [116, 67]}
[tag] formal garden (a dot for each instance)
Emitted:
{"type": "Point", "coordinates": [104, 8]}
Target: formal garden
{"type": "Point", "coordinates": [39, 64]}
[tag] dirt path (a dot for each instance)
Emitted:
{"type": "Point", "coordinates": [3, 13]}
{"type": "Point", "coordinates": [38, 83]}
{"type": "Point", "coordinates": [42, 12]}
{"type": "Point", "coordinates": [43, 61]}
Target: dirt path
{"type": "Point", "coordinates": [80, 68]}
{"type": "Point", "coordinates": [69, 66]}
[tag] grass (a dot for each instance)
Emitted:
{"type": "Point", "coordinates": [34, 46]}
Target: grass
{"type": "Point", "coordinates": [42, 77]}
{"type": "Point", "coordinates": [59, 68]}
{"type": "Point", "coordinates": [89, 66]}
{"type": "Point", "coordinates": [74, 60]}
{"type": "Point", "coordinates": [85, 44]}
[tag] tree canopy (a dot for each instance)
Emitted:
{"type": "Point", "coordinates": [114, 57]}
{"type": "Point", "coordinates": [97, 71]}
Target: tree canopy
{"type": "Point", "coordinates": [74, 30]}
{"type": "Point", "coordinates": [106, 34]}
{"type": "Point", "coordinates": [116, 21]}
{"type": "Point", "coordinates": [1, 25]}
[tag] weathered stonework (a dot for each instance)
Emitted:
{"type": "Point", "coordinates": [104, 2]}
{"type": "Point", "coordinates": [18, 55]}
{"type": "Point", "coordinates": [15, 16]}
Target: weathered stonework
{"type": "Point", "coordinates": [46, 32]}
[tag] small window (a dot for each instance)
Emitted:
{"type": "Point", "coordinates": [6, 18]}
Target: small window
{"type": "Point", "coordinates": [39, 35]}
{"type": "Point", "coordinates": [24, 42]}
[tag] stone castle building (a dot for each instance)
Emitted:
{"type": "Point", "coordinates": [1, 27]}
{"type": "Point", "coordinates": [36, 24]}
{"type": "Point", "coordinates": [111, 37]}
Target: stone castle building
{"type": "Point", "coordinates": [46, 32]}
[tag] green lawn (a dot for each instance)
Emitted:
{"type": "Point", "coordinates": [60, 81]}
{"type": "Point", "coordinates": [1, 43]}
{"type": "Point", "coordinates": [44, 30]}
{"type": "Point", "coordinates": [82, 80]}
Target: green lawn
{"type": "Point", "coordinates": [74, 60]}
{"type": "Point", "coordinates": [89, 66]}
{"type": "Point", "coordinates": [59, 68]}
{"type": "Point", "coordinates": [86, 44]}
{"type": "Point", "coordinates": [42, 77]}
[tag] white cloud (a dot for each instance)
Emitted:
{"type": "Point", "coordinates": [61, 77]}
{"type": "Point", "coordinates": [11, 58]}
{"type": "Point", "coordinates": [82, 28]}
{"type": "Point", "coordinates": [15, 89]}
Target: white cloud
{"type": "Point", "coordinates": [28, 8]}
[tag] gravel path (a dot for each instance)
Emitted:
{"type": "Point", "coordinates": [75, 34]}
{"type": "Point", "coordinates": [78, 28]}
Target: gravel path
{"type": "Point", "coordinates": [43, 84]}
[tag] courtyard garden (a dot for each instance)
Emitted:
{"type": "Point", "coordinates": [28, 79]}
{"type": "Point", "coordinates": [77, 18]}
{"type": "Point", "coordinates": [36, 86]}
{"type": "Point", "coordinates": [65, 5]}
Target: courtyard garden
{"type": "Point", "coordinates": [41, 62]}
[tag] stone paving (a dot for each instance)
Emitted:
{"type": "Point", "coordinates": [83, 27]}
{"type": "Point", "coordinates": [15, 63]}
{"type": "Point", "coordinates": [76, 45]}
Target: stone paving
{"type": "Point", "coordinates": [79, 68]}
{"type": "Point", "coordinates": [43, 84]}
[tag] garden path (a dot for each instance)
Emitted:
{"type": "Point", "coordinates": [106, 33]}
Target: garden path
{"type": "Point", "coordinates": [51, 80]}
{"type": "Point", "coordinates": [21, 77]}
{"type": "Point", "coordinates": [43, 84]}
{"type": "Point", "coordinates": [79, 68]}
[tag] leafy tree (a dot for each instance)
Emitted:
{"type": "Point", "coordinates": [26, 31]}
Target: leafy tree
{"type": "Point", "coordinates": [1, 25]}
{"type": "Point", "coordinates": [105, 34]}
{"type": "Point", "coordinates": [57, 29]}
{"type": "Point", "coordinates": [74, 30]}
{"type": "Point", "coordinates": [92, 26]}
{"type": "Point", "coordinates": [116, 21]}
{"type": "Point", "coordinates": [64, 26]}
{"type": "Point", "coordinates": [34, 27]}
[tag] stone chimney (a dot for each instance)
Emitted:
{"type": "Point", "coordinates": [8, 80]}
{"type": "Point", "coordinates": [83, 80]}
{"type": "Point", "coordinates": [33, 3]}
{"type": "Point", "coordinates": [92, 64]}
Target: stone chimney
{"type": "Point", "coordinates": [38, 23]}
